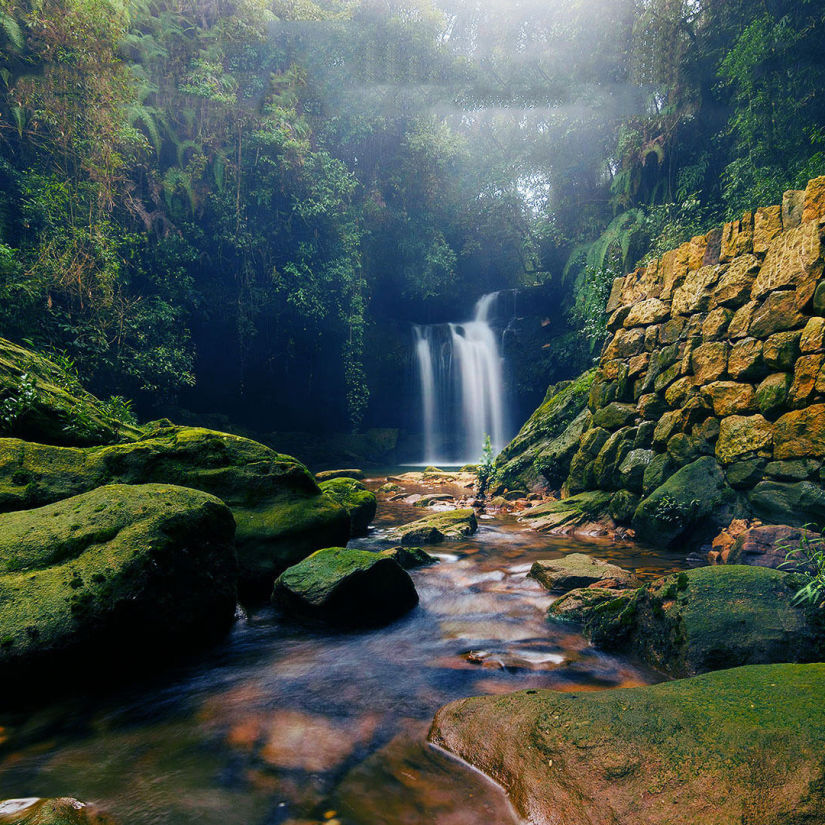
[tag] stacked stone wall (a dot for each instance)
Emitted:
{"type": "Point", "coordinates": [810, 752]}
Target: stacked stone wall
{"type": "Point", "coordinates": [716, 351]}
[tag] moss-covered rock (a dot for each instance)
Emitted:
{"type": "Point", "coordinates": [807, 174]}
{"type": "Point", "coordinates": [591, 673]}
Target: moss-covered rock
{"type": "Point", "coordinates": [712, 618]}
{"type": "Point", "coordinates": [137, 569]}
{"type": "Point", "coordinates": [42, 401]}
{"type": "Point", "coordinates": [410, 557]}
{"type": "Point", "coordinates": [451, 525]}
{"type": "Point", "coordinates": [327, 475]}
{"type": "Point", "coordinates": [577, 570]}
{"type": "Point", "coordinates": [696, 498]}
{"type": "Point", "coordinates": [547, 442]}
{"type": "Point", "coordinates": [568, 513]}
{"type": "Point", "coordinates": [281, 514]}
{"type": "Point", "coordinates": [728, 748]}
{"type": "Point", "coordinates": [796, 504]}
{"type": "Point", "coordinates": [578, 605]}
{"type": "Point", "coordinates": [351, 587]}
{"type": "Point", "coordinates": [355, 498]}
{"type": "Point", "coordinates": [62, 811]}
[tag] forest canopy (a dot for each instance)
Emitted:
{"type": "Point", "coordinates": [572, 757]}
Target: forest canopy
{"type": "Point", "coordinates": [228, 202]}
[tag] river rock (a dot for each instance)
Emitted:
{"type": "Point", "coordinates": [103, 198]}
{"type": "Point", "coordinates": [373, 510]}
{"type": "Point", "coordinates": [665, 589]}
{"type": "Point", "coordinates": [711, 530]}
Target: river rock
{"type": "Point", "coordinates": [121, 569]}
{"type": "Point", "coordinates": [577, 605]}
{"type": "Point", "coordinates": [62, 811]}
{"type": "Point", "coordinates": [280, 512]}
{"type": "Point", "coordinates": [741, 745]}
{"type": "Point", "coordinates": [577, 513]}
{"type": "Point", "coordinates": [328, 475]}
{"type": "Point", "coordinates": [712, 618]}
{"type": "Point", "coordinates": [797, 504]}
{"type": "Point", "coordinates": [451, 525]}
{"type": "Point", "coordinates": [768, 545]}
{"type": "Point", "coordinates": [410, 557]}
{"type": "Point", "coordinates": [355, 498]}
{"type": "Point", "coordinates": [350, 587]}
{"type": "Point", "coordinates": [577, 570]}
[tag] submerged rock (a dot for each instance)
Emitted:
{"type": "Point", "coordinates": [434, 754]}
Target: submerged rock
{"type": "Point", "coordinates": [327, 475]}
{"type": "Point", "coordinates": [410, 557]}
{"type": "Point", "coordinates": [351, 587]}
{"type": "Point", "coordinates": [62, 811]}
{"type": "Point", "coordinates": [451, 525]}
{"type": "Point", "coordinates": [712, 618]}
{"type": "Point", "coordinates": [356, 499]}
{"type": "Point", "coordinates": [280, 512]}
{"type": "Point", "coordinates": [737, 746]}
{"type": "Point", "coordinates": [578, 570]}
{"type": "Point", "coordinates": [122, 570]}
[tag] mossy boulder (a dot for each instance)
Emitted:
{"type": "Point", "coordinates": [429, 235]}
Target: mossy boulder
{"type": "Point", "coordinates": [121, 570]}
{"type": "Point", "coordinates": [450, 525]}
{"type": "Point", "coordinates": [568, 514]}
{"type": "Point", "coordinates": [355, 498]}
{"type": "Point", "coordinates": [578, 605]}
{"type": "Point", "coordinates": [547, 442]}
{"type": "Point", "coordinates": [695, 499]}
{"type": "Point", "coordinates": [410, 557]}
{"type": "Point", "coordinates": [61, 811]}
{"type": "Point", "coordinates": [40, 400]}
{"type": "Point", "coordinates": [796, 504]}
{"type": "Point", "coordinates": [281, 514]}
{"type": "Point", "coordinates": [736, 747]}
{"type": "Point", "coordinates": [348, 587]}
{"type": "Point", "coordinates": [712, 618]}
{"type": "Point", "coordinates": [578, 570]}
{"type": "Point", "coordinates": [327, 475]}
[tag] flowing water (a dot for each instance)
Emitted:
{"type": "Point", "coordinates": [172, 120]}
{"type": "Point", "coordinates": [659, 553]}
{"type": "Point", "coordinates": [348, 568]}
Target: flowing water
{"type": "Point", "coordinates": [461, 383]}
{"type": "Point", "coordinates": [294, 724]}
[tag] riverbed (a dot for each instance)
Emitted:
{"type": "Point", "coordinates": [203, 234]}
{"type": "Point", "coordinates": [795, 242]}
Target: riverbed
{"type": "Point", "coordinates": [294, 724]}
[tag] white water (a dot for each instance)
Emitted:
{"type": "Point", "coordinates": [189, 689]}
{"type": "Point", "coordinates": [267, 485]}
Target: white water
{"type": "Point", "coordinates": [461, 386]}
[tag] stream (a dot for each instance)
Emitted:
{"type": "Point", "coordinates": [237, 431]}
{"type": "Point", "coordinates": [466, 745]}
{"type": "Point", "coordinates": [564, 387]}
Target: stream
{"type": "Point", "coordinates": [292, 724]}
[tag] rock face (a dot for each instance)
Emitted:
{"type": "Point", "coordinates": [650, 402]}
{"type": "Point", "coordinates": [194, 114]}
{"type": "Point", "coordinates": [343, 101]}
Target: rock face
{"type": "Point", "coordinates": [741, 746]}
{"type": "Point", "coordinates": [540, 454]}
{"type": "Point", "coordinates": [281, 514]}
{"type": "Point", "coordinates": [716, 362]}
{"type": "Point", "coordinates": [349, 587]}
{"type": "Point", "coordinates": [578, 570]}
{"type": "Point", "coordinates": [140, 569]}
{"type": "Point", "coordinates": [41, 401]}
{"type": "Point", "coordinates": [62, 811]}
{"type": "Point", "coordinates": [355, 498]}
{"type": "Point", "coordinates": [712, 618]}
{"type": "Point", "coordinates": [451, 525]}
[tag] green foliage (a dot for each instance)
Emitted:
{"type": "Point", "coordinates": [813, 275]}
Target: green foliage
{"type": "Point", "coordinates": [486, 468]}
{"type": "Point", "coordinates": [588, 311]}
{"type": "Point", "coordinates": [807, 560]}
{"type": "Point", "coordinates": [18, 403]}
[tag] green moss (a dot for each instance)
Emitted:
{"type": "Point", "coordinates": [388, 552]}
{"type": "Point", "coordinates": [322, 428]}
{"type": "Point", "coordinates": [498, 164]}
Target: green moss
{"type": "Point", "coordinates": [575, 510]}
{"type": "Point", "coordinates": [355, 498]}
{"type": "Point", "coordinates": [450, 525]}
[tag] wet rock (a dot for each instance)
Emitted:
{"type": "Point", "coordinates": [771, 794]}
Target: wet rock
{"type": "Point", "coordinates": [796, 504]}
{"type": "Point", "coordinates": [410, 557]}
{"type": "Point", "coordinates": [777, 313]}
{"type": "Point", "coordinates": [61, 811]}
{"type": "Point", "coordinates": [596, 758]}
{"type": "Point", "coordinates": [355, 498]}
{"type": "Point", "coordinates": [577, 570]}
{"type": "Point", "coordinates": [436, 498]}
{"type": "Point", "coordinates": [781, 350]}
{"type": "Point", "coordinates": [142, 569]}
{"type": "Point", "coordinates": [768, 545]}
{"type": "Point", "coordinates": [740, 436]}
{"type": "Point", "coordinates": [772, 392]}
{"type": "Point", "coordinates": [730, 397]}
{"type": "Point", "coordinates": [568, 515]}
{"type": "Point", "coordinates": [576, 605]}
{"type": "Point", "coordinates": [327, 475]}
{"type": "Point", "coordinates": [280, 512]}
{"type": "Point", "coordinates": [349, 587]}
{"type": "Point", "coordinates": [800, 434]}
{"type": "Point", "coordinates": [712, 618]}
{"type": "Point", "coordinates": [452, 525]}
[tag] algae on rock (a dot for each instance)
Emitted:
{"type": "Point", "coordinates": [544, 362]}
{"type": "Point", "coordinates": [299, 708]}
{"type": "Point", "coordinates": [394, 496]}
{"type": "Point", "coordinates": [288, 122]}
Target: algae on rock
{"type": "Point", "coordinates": [355, 498]}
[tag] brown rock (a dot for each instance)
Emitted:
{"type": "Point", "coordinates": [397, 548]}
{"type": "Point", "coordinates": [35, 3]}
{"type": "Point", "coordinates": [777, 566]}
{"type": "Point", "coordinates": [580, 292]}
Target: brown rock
{"type": "Point", "coordinates": [813, 209]}
{"type": "Point", "coordinates": [767, 224]}
{"type": "Point", "coordinates": [793, 204]}
{"type": "Point", "coordinates": [695, 292]}
{"type": "Point", "coordinates": [614, 301]}
{"type": "Point", "coordinates": [800, 434]}
{"type": "Point", "coordinates": [778, 312]}
{"type": "Point", "coordinates": [652, 337]}
{"type": "Point", "coordinates": [768, 545]}
{"type": "Point", "coordinates": [715, 325]}
{"type": "Point", "coordinates": [782, 349]}
{"type": "Point", "coordinates": [709, 361]}
{"type": "Point", "coordinates": [651, 406]}
{"type": "Point", "coordinates": [638, 364]}
{"type": "Point", "coordinates": [616, 320]}
{"type": "Point", "coordinates": [737, 238]}
{"type": "Point", "coordinates": [794, 259]}
{"type": "Point", "coordinates": [741, 321]}
{"type": "Point", "coordinates": [772, 393]}
{"type": "Point", "coordinates": [644, 313]}
{"type": "Point", "coordinates": [633, 289]}
{"type": "Point", "coordinates": [714, 246]}
{"type": "Point", "coordinates": [735, 285]}
{"type": "Point", "coordinates": [673, 268]}
{"type": "Point", "coordinates": [680, 390]}
{"type": "Point", "coordinates": [804, 378]}
{"type": "Point", "coordinates": [625, 343]}
{"type": "Point", "coordinates": [745, 359]}
{"type": "Point", "coordinates": [730, 398]}
{"type": "Point", "coordinates": [668, 425]}
{"type": "Point", "coordinates": [671, 331]}
{"type": "Point", "coordinates": [813, 336]}
{"type": "Point", "coordinates": [696, 252]}
{"type": "Point", "coordinates": [741, 435]}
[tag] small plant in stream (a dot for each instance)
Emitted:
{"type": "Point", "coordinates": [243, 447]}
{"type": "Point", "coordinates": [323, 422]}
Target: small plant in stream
{"type": "Point", "coordinates": [807, 560]}
{"type": "Point", "coordinates": [484, 475]}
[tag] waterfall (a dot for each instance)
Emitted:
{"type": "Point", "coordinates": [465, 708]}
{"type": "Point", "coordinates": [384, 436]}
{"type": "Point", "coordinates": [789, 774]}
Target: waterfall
{"type": "Point", "coordinates": [461, 384]}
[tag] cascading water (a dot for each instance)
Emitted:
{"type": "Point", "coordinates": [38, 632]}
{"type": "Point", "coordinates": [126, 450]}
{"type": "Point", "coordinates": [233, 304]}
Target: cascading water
{"type": "Point", "coordinates": [461, 384]}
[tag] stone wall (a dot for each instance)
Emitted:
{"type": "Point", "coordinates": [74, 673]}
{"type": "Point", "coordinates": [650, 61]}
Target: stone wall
{"type": "Point", "coordinates": [709, 399]}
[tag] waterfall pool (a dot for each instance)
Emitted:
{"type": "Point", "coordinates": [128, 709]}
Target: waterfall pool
{"type": "Point", "coordinates": [284, 724]}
